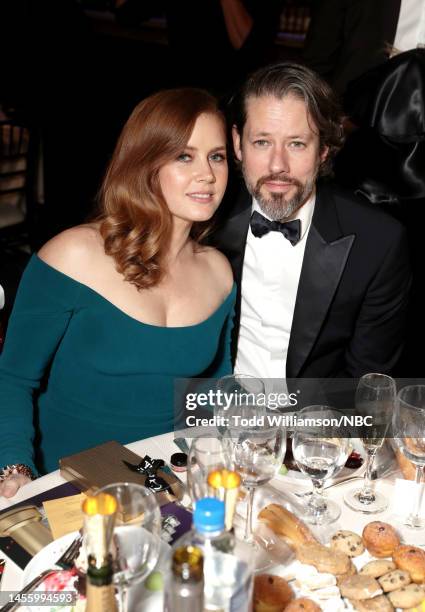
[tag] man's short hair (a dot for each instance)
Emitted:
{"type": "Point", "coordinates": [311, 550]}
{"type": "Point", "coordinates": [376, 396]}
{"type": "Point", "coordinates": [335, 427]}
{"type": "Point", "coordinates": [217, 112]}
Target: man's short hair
{"type": "Point", "coordinates": [287, 78]}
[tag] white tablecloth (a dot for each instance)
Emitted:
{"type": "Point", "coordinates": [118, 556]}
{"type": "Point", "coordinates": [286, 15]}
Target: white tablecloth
{"type": "Point", "coordinates": [163, 447]}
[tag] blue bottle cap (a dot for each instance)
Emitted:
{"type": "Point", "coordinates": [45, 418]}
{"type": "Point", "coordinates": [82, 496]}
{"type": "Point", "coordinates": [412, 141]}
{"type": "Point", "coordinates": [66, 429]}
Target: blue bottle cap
{"type": "Point", "coordinates": [209, 515]}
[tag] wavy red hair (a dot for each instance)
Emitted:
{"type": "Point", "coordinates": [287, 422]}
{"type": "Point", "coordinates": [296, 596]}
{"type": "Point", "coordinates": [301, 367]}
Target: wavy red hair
{"type": "Point", "coordinates": [135, 222]}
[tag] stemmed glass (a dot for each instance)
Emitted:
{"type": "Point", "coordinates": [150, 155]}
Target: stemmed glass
{"type": "Point", "coordinates": [409, 433]}
{"type": "Point", "coordinates": [320, 452]}
{"type": "Point", "coordinates": [136, 538]}
{"type": "Point", "coordinates": [375, 398]}
{"type": "Point", "coordinates": [256, 448]}
{"type": "Point", "coordinates": [234, 392]}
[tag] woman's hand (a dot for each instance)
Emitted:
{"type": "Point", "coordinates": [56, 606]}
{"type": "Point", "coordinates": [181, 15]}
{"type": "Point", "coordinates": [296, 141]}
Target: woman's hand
{"type": "Point", "coordinates": [10, 486]}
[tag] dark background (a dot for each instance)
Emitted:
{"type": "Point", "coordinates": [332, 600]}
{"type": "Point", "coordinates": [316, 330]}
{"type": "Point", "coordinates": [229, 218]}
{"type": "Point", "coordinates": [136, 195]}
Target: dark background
{"type": "Point", "coordinates": [73, 71]}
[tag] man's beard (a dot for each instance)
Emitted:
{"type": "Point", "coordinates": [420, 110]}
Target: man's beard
{"type": "Point", "coordinates": [275, 206]}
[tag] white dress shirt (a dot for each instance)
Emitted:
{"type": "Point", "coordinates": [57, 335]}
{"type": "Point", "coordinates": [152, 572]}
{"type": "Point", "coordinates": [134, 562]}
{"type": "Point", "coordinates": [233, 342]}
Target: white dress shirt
{"type": "Point", "coordinates": [410, 31]}
{"type": "Point", "coordinates": [270, 277]}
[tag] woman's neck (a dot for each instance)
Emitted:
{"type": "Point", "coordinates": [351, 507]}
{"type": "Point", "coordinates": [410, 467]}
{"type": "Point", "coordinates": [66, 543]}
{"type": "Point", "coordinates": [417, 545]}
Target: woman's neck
{"type": "Point", "coordinates": [180, 239]}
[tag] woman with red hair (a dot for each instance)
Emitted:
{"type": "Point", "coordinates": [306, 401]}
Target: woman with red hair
{"type": "Point", "coordinates": [108, 314]}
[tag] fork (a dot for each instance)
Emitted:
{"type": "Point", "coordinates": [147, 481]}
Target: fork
{"type": "Point", "coordinates": [65, 561]}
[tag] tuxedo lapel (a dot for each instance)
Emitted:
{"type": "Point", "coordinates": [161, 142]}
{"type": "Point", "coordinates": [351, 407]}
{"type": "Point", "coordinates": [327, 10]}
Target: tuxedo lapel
{"type": "Point", "coordinates": [325, 257]}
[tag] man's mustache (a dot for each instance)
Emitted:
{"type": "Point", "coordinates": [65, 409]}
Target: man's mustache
{"type": "Point", "coordinates": [284, 178]}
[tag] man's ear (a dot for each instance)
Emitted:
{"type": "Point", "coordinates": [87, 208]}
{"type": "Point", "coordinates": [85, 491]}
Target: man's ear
{"type": "Point", "coordinates": [324, 154]}
{"type": "Point", "coordinates": [237, 143]}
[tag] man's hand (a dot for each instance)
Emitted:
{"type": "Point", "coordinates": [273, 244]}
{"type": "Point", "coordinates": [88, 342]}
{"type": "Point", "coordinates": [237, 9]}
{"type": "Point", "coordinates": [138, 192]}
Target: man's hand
{"type": "Point", "coordinates": [10, 486]}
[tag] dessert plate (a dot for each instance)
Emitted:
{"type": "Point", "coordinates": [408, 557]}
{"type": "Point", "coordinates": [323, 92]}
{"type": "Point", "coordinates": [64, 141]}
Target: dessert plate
{"type": "Point", "coordinates": [64, 580]}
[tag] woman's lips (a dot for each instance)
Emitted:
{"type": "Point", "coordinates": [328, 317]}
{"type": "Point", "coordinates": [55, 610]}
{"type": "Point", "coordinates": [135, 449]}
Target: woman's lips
{"type": "Point", "coordinates": [204, 198]}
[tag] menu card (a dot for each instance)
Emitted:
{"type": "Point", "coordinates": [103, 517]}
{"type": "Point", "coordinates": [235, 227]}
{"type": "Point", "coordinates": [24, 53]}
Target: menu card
{"type": "Point", "coordinates": [64, 515]}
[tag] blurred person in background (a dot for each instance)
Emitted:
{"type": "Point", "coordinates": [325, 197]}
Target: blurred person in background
{"type": "Point", "coordinates": [348, 37]}
{"type": "Point", "coordinates": [213, 43]}
{"type": "Point", "coordinates": [384, 160]}
{"type": "Point", "coordinates": [53, 82]}
{"type": "Point", "coordinates": [373, 54]}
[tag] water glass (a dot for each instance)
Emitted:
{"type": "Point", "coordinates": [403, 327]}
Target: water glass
{"type": "Point", "coordinates": [257, 451]}
{"type": "Point", "coordinates": [320, 452]}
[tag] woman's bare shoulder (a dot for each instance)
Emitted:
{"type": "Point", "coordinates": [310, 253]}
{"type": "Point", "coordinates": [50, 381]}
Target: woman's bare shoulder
{"type": "Point", "coordinates": [219, 266]}
{"type": "Point", "coordinates": [74, 252]}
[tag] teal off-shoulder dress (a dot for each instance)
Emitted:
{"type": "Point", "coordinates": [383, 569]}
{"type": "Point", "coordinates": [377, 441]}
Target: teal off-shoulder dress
{"type": "Point", "coordinates": [91, 372]}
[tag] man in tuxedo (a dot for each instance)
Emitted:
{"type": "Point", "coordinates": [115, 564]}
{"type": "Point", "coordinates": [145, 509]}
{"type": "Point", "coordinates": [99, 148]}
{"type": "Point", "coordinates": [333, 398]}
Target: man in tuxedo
{"type": "Point", "coordinates": [348, 37]}
{"type": "Point", "coordinates": [323, 277]}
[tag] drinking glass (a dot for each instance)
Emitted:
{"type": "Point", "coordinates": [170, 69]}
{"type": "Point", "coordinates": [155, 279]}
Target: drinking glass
{"type": "Point", "coordinates": [205, 456]}
{"type": "Point", "coordinates": [136, 538]}
{"type": "Point", "coordinates": [234, 392]}
{"type": "Point", "coordinates": [256, 448]}
{"type": "Point", "coordinates": [409, 433]}
{"type": "Point", "coordinates": [320, 452]}
{"type": "Point", "coordinates": [375, 398]}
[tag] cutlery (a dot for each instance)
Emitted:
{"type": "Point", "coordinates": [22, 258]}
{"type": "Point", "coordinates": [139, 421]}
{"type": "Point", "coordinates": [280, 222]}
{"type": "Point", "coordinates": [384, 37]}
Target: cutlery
{"type": "Point", "coordinates": [65, 561]}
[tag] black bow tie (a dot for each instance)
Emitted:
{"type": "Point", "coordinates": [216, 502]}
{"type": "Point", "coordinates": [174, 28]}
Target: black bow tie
{"type": "Point", "coordinates": [260, 226]}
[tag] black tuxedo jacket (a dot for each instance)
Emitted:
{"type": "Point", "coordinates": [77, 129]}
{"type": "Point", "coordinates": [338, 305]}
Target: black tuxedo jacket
{"type": "Point", "coordinates": [348, 37]}
{"type": "Point", "coordinates": [353, 290]}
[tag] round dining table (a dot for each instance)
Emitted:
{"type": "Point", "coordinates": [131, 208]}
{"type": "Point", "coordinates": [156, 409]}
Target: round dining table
{"type": "Point", "coordinates": [291, 487]}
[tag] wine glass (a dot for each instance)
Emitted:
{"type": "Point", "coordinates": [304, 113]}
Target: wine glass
{"type": "Point", "coordinates": [409, 432]}
{"type": "Point", "coordinates": [205, 456]}
{"type": "Point", "coordinates": [320, 452]}
{"type": "Point", "coordinates": [236, 391]}
{"type": "Point", "coordinates": [136, 538]}
{"type": "Point", "coordinates": [375, 398]}
{"type": "Point", "coordinates": [257, 450]}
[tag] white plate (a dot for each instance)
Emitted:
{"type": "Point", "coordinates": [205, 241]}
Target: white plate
{"type": "Point", "coordinates": [43, 560]}
{"type": "Point", "coordinates": [47, 557]}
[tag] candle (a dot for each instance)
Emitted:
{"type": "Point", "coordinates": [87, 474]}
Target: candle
{"type": "Point", "coordinates": [225, 484]}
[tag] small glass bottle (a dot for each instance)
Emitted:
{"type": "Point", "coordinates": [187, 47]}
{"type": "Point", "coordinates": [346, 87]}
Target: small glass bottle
{"type": "Point", "coordinates": [186, 592]}
{"type": "Point", "coordinates": [228, 563]}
